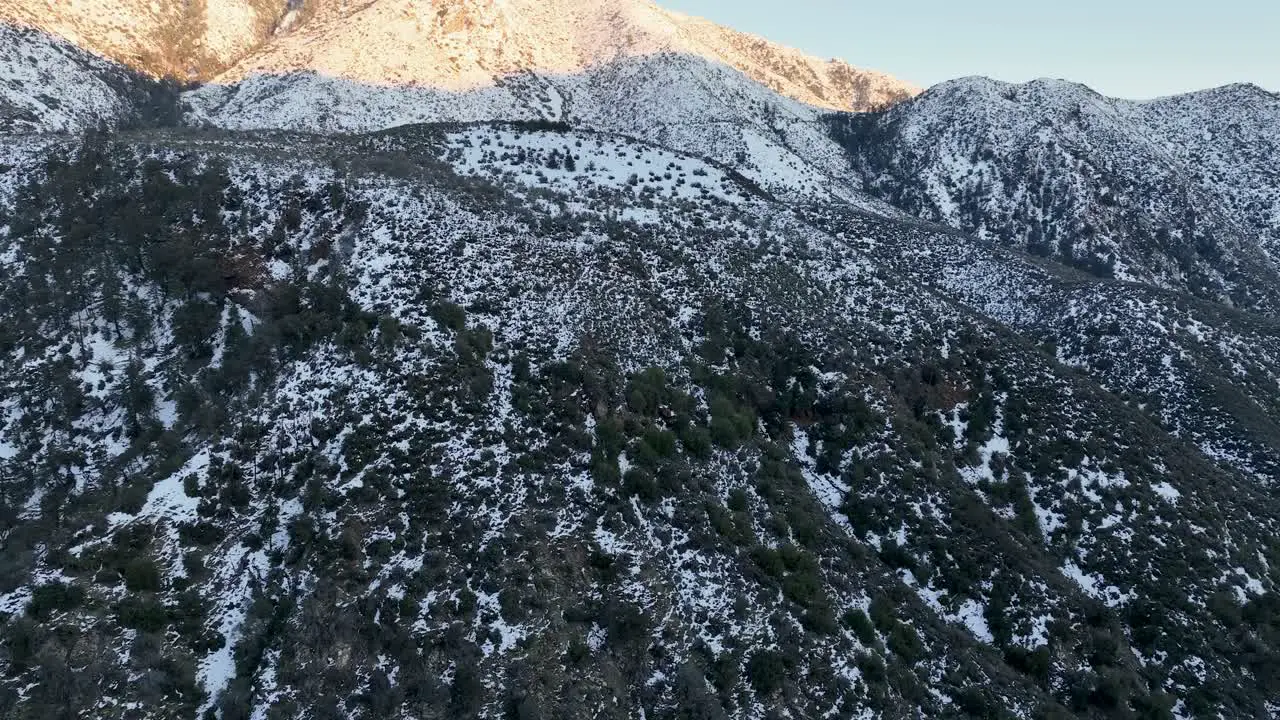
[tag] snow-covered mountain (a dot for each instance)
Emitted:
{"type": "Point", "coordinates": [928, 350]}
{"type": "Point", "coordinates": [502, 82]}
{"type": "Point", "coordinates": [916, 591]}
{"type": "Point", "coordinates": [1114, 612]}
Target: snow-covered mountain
{"type": "Point", "coordinates": [1228, 139]}
{"type": "Point", "coordinates": [562, 359]}
{"type": "Point", "coordinates": [1181, 192]}
{"type": "Point", "coordinates": [53, 86]}
{"type": "Point", "coordinates": [465, 45]}
{"type": "Point", "coordinates": [624, 66]}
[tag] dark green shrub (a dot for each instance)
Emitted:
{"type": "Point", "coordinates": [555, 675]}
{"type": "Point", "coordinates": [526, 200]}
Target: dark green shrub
{"type": "Point", "coordinates": [641, 484]}
{"type": "Point", "coordinates": [904, 641]}
{"type": "Point", "coordinates": [466, 693]}
{"type": "Point", "coordinates": [661, 442]}
{"type": "Point", "coordinates": [872, 667]}
{"type": "Point", "coordinates": [605, 472]}
{"type": "Point", "coordinates": [142, 613]}
{"type": "Point", "coordinates": [450, 316]}
{"type": "Point", "coordinates": [54, 597]}
{"type": "Point", "coordinates": [142, 575]}
{"type": "Point", "coordinates": [883, 613]}
{"type": "Point", "coordinates": [857, 621]}
{"type": "Point", "coordinates": [767, 672]}
{"type": "Point", "coordinates": [696, 440]}
{"type": "Point", "coordinates": [769, 561]}
{"type": "Point", "coordinates": [803, 587]}
{"type": "Point", "coordinates": [820, 619]}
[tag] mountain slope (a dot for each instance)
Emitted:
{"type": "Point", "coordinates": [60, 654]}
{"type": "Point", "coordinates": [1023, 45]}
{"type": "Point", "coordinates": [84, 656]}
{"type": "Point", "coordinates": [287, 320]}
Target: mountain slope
{"type": "Point", "coordinates": [1154, 192]}
{"type": "Point", "coordinates": [317, 409]}
{"type": "Point", "coordinates": [461, 45]}
{"type": "Point", "coordinates": [159, 37]}
{"type": "Point", "coordinates": [1229, 139]}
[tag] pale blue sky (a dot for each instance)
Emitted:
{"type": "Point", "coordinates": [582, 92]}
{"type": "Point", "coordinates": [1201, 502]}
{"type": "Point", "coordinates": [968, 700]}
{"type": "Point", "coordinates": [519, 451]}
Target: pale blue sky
{"type": "Point", "coordinates": [1125, 48]}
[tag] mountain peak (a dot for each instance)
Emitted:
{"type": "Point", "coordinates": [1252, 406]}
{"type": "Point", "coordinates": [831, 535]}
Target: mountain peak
{"type": "Point", "coordinates": [1247, 93]}
{"type": "Point", "coordinates": [466, 44]}
{"type": "Point", "coordinates": [980, 86]}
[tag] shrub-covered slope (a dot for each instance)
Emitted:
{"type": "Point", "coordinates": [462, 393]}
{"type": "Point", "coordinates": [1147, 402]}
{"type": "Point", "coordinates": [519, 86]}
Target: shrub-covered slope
{"type": "Point", "coordinates": [513, 421]}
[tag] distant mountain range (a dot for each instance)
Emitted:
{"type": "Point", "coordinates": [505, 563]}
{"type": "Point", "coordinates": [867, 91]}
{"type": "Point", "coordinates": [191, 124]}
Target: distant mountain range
{"type": "Point", "coordinates": [582, 359]}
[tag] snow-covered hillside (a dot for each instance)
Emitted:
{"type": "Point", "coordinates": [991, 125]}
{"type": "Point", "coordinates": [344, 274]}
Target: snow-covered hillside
{"type": "Point", "coordinates": [1229, 140]}
{"type": "Point", "coordinates": [463, 45]}
{"type": "Point", "coordinates": [619, 66]}
{"type": "Point", "coordinates": [585, 165]}
{"type": "Point", "coordinates": [493, 359]}
{"type": "Point", "coordinates": [50, 85]}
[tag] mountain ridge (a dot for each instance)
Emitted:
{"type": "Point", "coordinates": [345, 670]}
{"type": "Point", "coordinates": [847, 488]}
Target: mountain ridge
{"type": "Point", "coordinates": [488, 39]}
{"type": "Point", "coordinates": [181, 40]}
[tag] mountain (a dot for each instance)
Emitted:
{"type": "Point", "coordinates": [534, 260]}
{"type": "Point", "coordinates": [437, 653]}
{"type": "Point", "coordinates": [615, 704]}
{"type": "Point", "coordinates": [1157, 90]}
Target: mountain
{"type": "Point", "coordinates": [1180, 192]}
{"type": "Point", "coordinates": [37, 66]}
{"type": "Point", "coordinates": [622, 66]}
{"type": "Point", "coordinates": [611, 65]}
{"type": "Point", "coordinates": [1228, 138]}
{"type": "Point", "coordinates": [467, 45]}
{"type": "Point", "coordinates": [645, 380]}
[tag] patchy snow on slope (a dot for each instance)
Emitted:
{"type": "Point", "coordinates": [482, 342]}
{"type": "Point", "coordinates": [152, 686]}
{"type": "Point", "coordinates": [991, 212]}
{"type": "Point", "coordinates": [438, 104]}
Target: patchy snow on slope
{"type": "Point", "coordinates": [971, 615]}
{"type": "Point", "coordinates": [998, 444]}
{"type": "Point", "coordinates": [968, 612]}
{"type": "Point", "coordinates": [1038, 636]}
{"type": "Point", "coordinates": [169, 500]}
{"type": "Point", "coordinates": [578, 162]}
{"type": "Point", "coordinates": [1093, 585]}
{"type": "Point", "coordinates": [1093, 479]}
{"type": "Point", "coordinates": [1167, 492]}
{"type": "Point", "coordinates": [830, 491]}
{"type": "Point", "coordinates": [14, 601]}
{"type": "Point", "coordinates": [1053, 167]}
{"type": "Point", "coordinates": [217, 669]}
{"type": "Point", "coordinates": [773, 164]}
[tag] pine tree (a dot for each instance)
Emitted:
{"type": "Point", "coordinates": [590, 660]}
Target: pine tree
{"type": "Point", "coordinates": [136, 398]}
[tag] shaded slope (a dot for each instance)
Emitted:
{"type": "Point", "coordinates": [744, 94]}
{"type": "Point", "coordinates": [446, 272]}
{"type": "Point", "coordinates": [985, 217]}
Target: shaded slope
{"type": "Point", "coordinates": [48, 85]}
